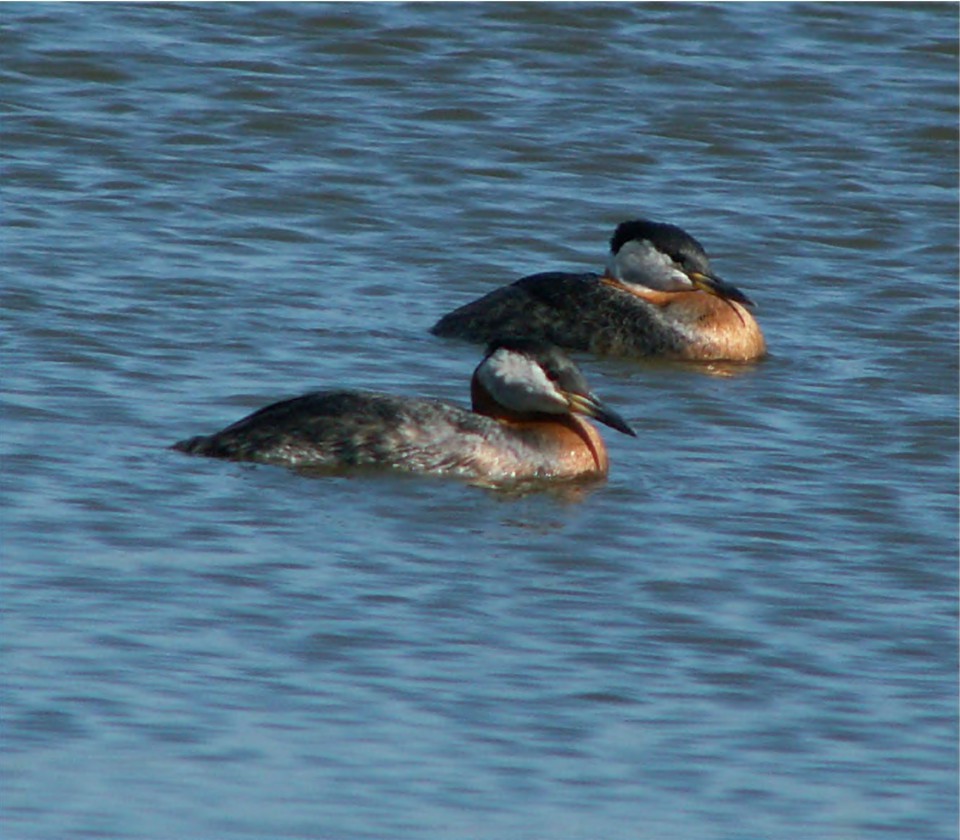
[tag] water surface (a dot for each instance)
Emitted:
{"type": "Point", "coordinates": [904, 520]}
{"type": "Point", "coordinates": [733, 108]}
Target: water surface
{"type": "Point", "coordinates": [749, 631]}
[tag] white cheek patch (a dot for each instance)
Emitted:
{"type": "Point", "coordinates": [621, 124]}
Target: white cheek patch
{"type": "Point", "coordinates": [638, 262]}
{"type": "Point", "coordinates": [520, 384]}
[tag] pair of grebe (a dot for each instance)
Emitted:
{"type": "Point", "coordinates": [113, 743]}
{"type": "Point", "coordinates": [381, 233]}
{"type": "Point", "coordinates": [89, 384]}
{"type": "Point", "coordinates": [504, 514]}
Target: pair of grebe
{"type": "Point", "coordinates": [658, 297]}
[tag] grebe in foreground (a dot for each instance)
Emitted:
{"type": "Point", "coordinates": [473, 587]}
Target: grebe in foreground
{"type": "Point", "coordinates": [524, 425]}
{"type": "Point", "coordinates": [657, 297]}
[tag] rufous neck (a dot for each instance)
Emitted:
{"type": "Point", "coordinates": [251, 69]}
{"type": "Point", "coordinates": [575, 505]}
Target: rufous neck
{"type": "Point", "coordinates": [485, 404]}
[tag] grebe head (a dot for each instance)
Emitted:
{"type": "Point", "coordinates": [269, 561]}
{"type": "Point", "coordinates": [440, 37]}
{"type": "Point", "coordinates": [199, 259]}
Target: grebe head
{"type": "Point", "coordinates": [530, 377]}
{"type": "Point", "coordinates": [664, 257]}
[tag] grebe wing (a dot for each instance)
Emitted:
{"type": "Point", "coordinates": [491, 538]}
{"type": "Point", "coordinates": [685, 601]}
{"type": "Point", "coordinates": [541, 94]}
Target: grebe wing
{"type": "Point", "coordinates": [329, 429]}
{"type": "Point", "coordinates": [547, 307]}
{"type": "Point", "coordinates": [316, 419]}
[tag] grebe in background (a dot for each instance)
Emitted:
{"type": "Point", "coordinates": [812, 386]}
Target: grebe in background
{"type": "Point", "coordinates": [525, 424]}
{"type": "Point", "coordinates": [657, 297]}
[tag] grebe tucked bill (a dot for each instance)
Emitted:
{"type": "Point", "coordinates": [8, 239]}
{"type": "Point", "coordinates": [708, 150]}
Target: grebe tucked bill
{"type": "Point", "coordinates": [657, 297]}
{"type": "Point", "coordinates": [524, 425]}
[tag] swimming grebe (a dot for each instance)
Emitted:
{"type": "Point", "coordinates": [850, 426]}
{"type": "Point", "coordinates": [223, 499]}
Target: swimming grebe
{"type": "Point", "coordinates": [526, 396]}
{"type": "Point", "coordinates": [657, 297]}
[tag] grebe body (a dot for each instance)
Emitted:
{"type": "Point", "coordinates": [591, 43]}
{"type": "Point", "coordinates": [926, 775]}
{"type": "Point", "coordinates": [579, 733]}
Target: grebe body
{"type": "Point", "coordinates": [527, 422]}
{"type": "Point", "coordinates": [657, 297]}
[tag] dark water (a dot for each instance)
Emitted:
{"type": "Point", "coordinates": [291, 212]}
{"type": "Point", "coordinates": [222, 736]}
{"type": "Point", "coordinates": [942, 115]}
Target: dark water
{"type": "Point", "coordinates": [748, 632]}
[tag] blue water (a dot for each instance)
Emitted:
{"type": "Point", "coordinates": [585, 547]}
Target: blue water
{"type": "Point", "coordinates": [748, 632]}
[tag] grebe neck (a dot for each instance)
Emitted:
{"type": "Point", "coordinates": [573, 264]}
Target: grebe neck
{"type": "Point", "coordinates": [542, 426]}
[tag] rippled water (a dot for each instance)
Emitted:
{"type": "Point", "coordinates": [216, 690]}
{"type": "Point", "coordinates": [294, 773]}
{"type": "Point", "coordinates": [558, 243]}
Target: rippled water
{"type": "Point", "coordinates": [749, 631]}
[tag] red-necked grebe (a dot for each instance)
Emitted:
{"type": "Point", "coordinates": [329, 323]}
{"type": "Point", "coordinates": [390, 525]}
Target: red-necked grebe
{"type": "Point", "coordinates": [657, 297]}
{"type": "Point", "coordinates": [524, 425]}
